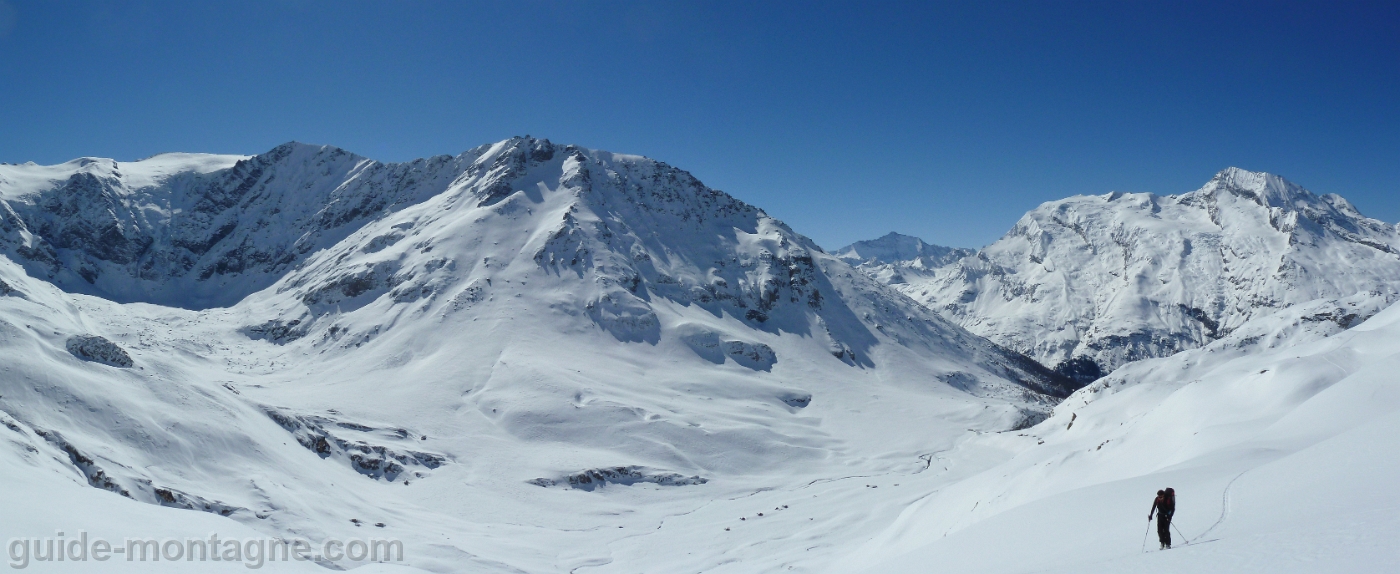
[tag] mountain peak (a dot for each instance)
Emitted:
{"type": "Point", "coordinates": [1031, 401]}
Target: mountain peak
{"type": "Point", "coordinates": [897, 248]}
{"type": "Point", "coordinates": [1266, 189]}
{"type": "Point", "coordinates": [1137, 276]}
{"type": "Point", "coordinates": [294, 149]}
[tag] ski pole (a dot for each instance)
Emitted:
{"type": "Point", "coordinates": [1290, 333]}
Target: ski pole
{"type": "Point", "coordinates": [1178, 533]}
{"type": "Point", "coordinates": [1144, 536]}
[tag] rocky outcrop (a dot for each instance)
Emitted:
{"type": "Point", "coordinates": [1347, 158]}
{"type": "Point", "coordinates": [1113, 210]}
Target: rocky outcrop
{"type": "Point", "coordinates": [371, 450]}
{"type": "Point", "coordinates": [98, 350]}
{"type": "Point", "coordinates": [596, 478]}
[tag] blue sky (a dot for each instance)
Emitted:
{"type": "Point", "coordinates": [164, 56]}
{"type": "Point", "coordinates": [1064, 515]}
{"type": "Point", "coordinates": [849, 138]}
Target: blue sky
{"type": "Point", "coordinates": [847, 120]}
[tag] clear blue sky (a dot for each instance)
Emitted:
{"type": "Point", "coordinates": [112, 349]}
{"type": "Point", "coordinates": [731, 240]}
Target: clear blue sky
{"type": "Point", "coordinates": [847, 120]}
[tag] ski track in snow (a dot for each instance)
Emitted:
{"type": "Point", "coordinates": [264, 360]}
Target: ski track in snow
{"type": "Point", "coordinates": [1224, 509]}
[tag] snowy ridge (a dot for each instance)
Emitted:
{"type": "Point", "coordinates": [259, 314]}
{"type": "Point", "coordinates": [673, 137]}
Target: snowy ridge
{"type": "Point", "coordinates": [1090, 283]}
{"type": "Point", "coordinates": [905, 249]}
{"type": "Point", "coordinates": [198, 231]}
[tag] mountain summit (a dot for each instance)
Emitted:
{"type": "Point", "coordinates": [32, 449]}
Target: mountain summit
{"type": "Point", "coordinates": [896, 248]}
{"type": "Point", "coordinates": [895, 259]}
{"type": "Point", "coordinates": [1089, 283]}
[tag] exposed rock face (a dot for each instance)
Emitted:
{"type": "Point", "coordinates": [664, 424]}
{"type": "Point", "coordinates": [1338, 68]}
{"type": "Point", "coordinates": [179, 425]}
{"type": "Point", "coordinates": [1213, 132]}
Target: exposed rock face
{"type": "Point", "coordinates": [365, 450]}
{"type": "Point", "coordinates": [597, 478]}
{"type": "Point", "coordinates": [98, 350]}
{"type": "Point", "coordinates": [197, 231]}
{"type": "Point", "coordinates": [1092, 282]}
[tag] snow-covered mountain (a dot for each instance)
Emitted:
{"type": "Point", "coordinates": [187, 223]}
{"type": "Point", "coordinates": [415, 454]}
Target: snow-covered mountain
{"type": "Point", "coordinates": [905, 249]}
{"type": "Point", "coordinates": [541, 358]}
{"type": "Point", "coordinates": [894, 258]}
{"type": "Point", "coordinates": [524, 348]}
{"type": "Point", "coordinates": [198, 231]}
{"type": "Point", "coordinates": [1089, 283]}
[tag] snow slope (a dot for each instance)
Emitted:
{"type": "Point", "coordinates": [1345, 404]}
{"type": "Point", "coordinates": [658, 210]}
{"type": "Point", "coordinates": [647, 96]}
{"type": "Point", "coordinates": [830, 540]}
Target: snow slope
{"type": "Point", "coordinates": [529, 357]}
{"type": "Point", "coordinates": [1283, 461]}
{"type": "Point", "coordinates": [1089, 283]}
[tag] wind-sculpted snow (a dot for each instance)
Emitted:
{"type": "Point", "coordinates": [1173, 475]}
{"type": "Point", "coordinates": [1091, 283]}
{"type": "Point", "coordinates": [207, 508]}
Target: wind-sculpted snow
{"type": "Point", "coordinates": [1090, 283]}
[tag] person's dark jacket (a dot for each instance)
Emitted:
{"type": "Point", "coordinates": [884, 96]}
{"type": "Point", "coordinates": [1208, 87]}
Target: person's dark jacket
{"type": "Point", "coordinates": [1165, 505]}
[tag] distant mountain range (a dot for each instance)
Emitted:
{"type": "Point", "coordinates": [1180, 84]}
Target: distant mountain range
{"type": "Point", "coordinates": [1089, 283]}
